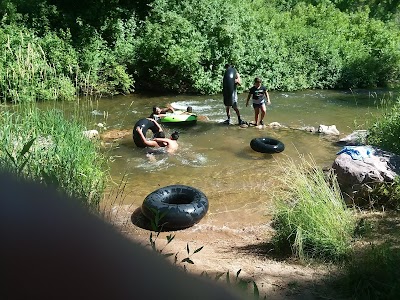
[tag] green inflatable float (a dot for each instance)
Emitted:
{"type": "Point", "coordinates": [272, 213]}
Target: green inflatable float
{"type": "Point", "coordinates": [179, 118]}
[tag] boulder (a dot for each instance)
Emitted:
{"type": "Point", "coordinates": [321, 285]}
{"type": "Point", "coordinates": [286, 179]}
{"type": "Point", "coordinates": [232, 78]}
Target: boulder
{"type": "Point", "coordinates": [115, 134]}
{"type": "Point", "coordinates": [331, 129]}
{"type": "Point", "coordinates": [359, 168]}
{"type": "Point", "coordinates": [91, 134]}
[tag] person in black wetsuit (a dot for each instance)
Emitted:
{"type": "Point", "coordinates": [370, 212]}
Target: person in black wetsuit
{"type": "Point", "coordinates": [230, 80]}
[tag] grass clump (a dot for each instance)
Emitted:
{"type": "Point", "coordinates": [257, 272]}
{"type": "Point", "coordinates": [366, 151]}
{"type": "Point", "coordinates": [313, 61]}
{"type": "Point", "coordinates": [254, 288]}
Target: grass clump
{"type": "Point", "coordinates": [373, 274]}
{"type": "Point", "coordinates": [385, 131]}
{"type": "Point", "coordinates": [310, 216]}
{"type": "Point", "coordinates": [48, 148]}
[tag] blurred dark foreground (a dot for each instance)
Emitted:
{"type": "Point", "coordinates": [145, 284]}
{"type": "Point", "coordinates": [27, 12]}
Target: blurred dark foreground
{"type": "Point", "coordinates": [52, 248]}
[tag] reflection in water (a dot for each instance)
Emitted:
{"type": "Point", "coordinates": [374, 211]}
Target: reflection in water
{"type": "Point", "coordinates": [217, 159]}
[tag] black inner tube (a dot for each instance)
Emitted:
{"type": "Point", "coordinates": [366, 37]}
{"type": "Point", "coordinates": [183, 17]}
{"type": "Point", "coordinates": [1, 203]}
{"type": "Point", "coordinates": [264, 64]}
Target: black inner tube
{"type": "Point", "coordinates": [228, 86]}
{"type": "Point", "coordinates": [180, 206]}
{"type": "Point", "coordinates": [145, 124]}
{"type": "Point", "coordinates": [178, 199]}
{"type": "Point", "coordinates": [267, 145]}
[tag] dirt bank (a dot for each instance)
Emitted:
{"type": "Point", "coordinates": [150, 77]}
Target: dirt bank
{"type": "Point", "coordinates": [230, 247]}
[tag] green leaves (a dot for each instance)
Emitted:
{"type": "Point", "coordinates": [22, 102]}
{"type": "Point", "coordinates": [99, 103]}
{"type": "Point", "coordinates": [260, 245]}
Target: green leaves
{"type": "Point", "coordinates": [307, 46]}
{"type": "Point", "coordinates": [20, 160]}
{"type": "Point", "coordinates": [182, 46]}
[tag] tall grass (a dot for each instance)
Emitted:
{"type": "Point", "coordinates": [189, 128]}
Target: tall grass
{"type": "Point", "coordinates": [310, 215]}
{"type": "Point", "coordinates": [59, 155]}
{"type": "Point", "coordinates": [26, 74]}
{"type": "Point", "coordinates": [384, 132]}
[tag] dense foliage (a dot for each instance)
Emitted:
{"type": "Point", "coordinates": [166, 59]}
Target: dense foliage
{"type": "Point", "coordinates": [304, 47]}
{"type": "Point", "coordinates": [378, 9]}
{"type": "Point", "coordinates": [181, 46]}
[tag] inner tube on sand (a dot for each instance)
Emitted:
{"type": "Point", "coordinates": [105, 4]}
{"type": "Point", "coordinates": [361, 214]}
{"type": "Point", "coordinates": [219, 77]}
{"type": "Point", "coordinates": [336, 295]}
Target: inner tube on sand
{"type": "Point", "coordinates": [267, 145]}
{"type": "Point", "coordinates": [228, 86]}
{"type": "Point", "coordinates": [180, 206]}
{"type": "Point", "coordinates": [146, 124]}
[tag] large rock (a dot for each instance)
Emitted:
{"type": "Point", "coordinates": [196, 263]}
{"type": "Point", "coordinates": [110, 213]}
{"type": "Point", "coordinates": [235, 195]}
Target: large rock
{"type": "Point", "coordinates": [356, 138]}
{"type": "Point", "coordinates": [323, 129]}
{"type": "Point", "coordinates": [91, 134]}
{"type": "Point", "coordinates": [362, 166]}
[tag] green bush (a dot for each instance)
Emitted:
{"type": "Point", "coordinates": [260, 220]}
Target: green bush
{"type": "Point", "coordinates": [185, 44]}
{"type": "Point", "coordinates": [101, 71]}
{"type": "Point", "coordinates": [46, 62]}
{"type": "Point", "coordinates": [182, 46]}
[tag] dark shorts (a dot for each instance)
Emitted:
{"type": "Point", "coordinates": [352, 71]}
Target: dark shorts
{"type": "Point", "coordinates": [258, 105]}
{"type": "Point", "coordinates": [234, 105]}
{"type": "Point", "coordinates": [156, 151]}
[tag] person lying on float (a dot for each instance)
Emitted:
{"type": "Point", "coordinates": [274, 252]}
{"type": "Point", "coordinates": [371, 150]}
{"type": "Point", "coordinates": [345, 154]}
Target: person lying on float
{"type": "Point", "coordinates": [160, 112]}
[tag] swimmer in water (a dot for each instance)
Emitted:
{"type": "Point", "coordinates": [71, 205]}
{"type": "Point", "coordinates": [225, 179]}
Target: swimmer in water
{"type": "Point", "coordinates": [160, 140]}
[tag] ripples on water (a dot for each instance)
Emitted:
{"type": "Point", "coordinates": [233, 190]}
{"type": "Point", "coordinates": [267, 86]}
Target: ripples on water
{"type": "Point", "coordinates": [217, 159]}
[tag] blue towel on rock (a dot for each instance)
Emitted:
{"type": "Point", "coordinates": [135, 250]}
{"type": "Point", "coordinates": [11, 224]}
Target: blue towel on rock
{"type": "Point", "coordinates": [357, 152]}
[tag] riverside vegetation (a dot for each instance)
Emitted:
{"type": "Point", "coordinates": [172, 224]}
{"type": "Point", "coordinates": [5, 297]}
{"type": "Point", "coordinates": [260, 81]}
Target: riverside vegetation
{"type": "Point", "coordinates": [48, 148]}
{"type": "Point", "coordinates": [311, 220]}
{"type": "Point", "coordinates": [54, 52]}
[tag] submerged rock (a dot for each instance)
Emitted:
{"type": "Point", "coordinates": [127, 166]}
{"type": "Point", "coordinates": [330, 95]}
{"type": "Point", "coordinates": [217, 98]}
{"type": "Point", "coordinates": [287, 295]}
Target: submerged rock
{"type": "Point", "coordinates": [276, 125]}
{"type": "Point", "coordinates": [324, 129]}
{"type": "Point", "coordinates": [356, 138]}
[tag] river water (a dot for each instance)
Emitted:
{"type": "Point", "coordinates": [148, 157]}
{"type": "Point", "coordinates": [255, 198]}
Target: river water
{"type": "Point", "coordinates": [217, 159]}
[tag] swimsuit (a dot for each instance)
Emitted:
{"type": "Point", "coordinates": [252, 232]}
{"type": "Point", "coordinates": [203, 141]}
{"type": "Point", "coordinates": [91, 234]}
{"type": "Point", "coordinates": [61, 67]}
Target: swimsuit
{"type": "Point", "coordinates": [258, 95]}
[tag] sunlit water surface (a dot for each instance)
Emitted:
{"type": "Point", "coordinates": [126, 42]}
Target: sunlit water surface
{"type": "Point", "coordinates": [217, 159]}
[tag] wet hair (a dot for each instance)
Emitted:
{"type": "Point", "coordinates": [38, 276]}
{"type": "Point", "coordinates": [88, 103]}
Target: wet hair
{"type": "Point", "coordinates": [160, 134]}
{"type": "Point", "coordinates": [155, 109]}
{"type": "Point", "coordinates": [189, 109]}
{"type": "Point", "coordinates": [175, 135]}
{"type": "Point", "coordinates": [257, 80]}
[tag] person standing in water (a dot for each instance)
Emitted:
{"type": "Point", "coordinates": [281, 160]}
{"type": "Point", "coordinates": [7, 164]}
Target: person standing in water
{"type": "Point", "coordinates": [230, 80]}
{"type": "Point", "coordinates": [260, 97]}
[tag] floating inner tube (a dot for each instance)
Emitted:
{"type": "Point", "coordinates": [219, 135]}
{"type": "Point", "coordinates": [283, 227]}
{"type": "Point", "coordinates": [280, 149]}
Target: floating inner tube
{"type": "Point", "coordinates": [180, 206]}
{"type": "Point", "coordinates": [267, 145]}
{"type": "Point", "coordinates": [228, 84]}
{"type": "Point", "coordinates": [146, 124]}
{"type": "Point", "coordinates": [179, 118]}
